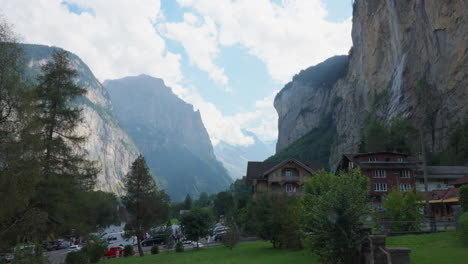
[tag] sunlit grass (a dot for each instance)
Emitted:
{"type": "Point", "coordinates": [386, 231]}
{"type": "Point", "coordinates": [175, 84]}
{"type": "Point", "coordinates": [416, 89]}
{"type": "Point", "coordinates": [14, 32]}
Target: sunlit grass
{"type": "Point", "coordinates": [243, 253]}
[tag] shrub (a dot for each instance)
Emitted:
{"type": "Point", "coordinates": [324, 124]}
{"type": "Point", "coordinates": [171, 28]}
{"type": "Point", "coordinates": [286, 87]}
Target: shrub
{"type": "Point", "coordinates": [404, 210]}
{"type": "Point", "coordinates": [155, 250]}
{"type": "Point", "coordinates": [463, 228]}
{"type": "Point", "coordinates": [333, 206]}
{"type": "Point", "coordinates": [128, 251]}
{"type": "Point", "coordinates": [78, 257]}
{"type": "Point", "coordinates": [96, 250]}
{"type": "Point", "coordinates": [464, 198]}
{"type": "Point", "coordinates": [231, 237]}
{"type": "Point", "coordinates": [179, 247]}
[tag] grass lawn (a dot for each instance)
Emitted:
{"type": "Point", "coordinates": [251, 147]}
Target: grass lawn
{"type": "Point", "coordinates": [438, 248]}
{"type": "Point", "coordinates": [243, 253]}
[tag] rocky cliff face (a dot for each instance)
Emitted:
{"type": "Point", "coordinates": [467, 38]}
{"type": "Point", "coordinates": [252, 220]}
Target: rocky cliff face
{"type": "Point", "coordinates": [409, 58]}
{"type": "Point", "coordinates": [170, 134]}
{"type": "Point", "coordinates": [107, 143]}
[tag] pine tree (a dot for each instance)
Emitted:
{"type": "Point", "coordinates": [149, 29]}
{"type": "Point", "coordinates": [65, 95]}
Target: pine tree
{"type": "Point", "coordinates": [65, 173]}
{"type": "Point", "coordinates": [146, 205]}
{"type": "Point", "coordinates": [20, 218]}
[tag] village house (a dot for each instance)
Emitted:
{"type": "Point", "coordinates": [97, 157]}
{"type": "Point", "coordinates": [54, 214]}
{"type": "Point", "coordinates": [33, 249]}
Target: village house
{"type": "Point", "coordinates": [287, 176]}
{"type": "Point", "coordinates": [386, 171]}
{"type": "Point", "coordinates": [439, 177]}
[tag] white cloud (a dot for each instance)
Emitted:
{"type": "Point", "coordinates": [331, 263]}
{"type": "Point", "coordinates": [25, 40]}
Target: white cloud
{"type": "Point", "coordinates": [288, 37]}
{"type": "Point", "coordinates": [118, 39]}
{"type": "Point", "coordinates": [198, 36]}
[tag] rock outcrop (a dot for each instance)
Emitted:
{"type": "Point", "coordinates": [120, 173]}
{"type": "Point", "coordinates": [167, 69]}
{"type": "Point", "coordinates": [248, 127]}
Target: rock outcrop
{"type": "Point", "coordinates": [107, 143]}
{"type": "Point", "coordinates": [409, 58]}
{"type": "Point", "coordinates": [170, 134]}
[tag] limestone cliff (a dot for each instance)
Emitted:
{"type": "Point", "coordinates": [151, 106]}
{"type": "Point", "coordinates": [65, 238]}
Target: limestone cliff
{"type": "Point", "coordinates": [170, 134]}
{"type": "Point", "coordinates": [107, 143]}
{"type": "Point", "coordinates": [408, 58]}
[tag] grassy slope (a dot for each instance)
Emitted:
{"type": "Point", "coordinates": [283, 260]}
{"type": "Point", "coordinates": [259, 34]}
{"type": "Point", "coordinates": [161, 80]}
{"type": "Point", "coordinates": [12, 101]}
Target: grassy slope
{"type": "Point", "coordinates": [441, 248]}
{"type": "Point", "coordinates": [244, 253]}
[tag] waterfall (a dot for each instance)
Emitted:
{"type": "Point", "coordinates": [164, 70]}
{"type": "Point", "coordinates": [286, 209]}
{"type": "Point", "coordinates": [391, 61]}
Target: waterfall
{"type": "Point", "coordinates": [396, 92]}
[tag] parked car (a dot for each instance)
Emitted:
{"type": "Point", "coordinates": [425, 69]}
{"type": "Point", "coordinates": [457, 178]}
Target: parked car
{"type": "Point", "coordinates": [114, 251]}
{"type": "Point", "coordinates": [192, 243]}
{"type": "Point", "coordinates": [74, 248]}
{"type": "Point", "coordinates": [6, 257]}
{"type": "Point", "coordinates": [158, 240]}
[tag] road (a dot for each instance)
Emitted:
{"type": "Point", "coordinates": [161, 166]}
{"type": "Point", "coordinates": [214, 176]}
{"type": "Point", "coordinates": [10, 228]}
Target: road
{"type": "Point", "coordinates": [58, 256]}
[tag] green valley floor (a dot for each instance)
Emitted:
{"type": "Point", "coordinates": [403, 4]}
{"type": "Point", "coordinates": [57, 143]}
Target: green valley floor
{"type": "Point", "coordinates": [441, 248]}
{"type": "Point", "coordinates": [243, 253]}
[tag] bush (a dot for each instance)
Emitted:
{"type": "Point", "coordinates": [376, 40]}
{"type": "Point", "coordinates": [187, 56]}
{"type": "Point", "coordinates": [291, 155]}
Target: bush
{"type": "Point", "coordinates": [155, 250]}
{"type": "Point", "coordinates": [231, 237]}
{"type": "Point", "coordinates": [128, 251]}
{"type": "Point", "coordinates": [96, 250]}
{"type": "Point", "coordinates": [463, 228]}
{"type": "Point", "coordinates": [403, 210]}
{"type": "Point", "coordinates": [464, 198]}
{"type": "Point", "coordinates": [78, 257]}
{"type": "Point", "coordinates": [179, 247]}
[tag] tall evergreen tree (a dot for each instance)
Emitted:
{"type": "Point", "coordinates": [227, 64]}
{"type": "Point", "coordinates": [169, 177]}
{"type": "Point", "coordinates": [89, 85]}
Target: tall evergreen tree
{"type": "Point", "coordinates": [65, 173]}
{"type": "Point", "coordinates": [20, 219]}
{"type": "Point", "coordinates": [146, 205]}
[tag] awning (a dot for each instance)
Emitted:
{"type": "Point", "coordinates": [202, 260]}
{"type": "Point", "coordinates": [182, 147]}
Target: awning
{"type": "Point", "coordinates": [435, 201]}
{"type": "Point", "coordinates": [451, 200]}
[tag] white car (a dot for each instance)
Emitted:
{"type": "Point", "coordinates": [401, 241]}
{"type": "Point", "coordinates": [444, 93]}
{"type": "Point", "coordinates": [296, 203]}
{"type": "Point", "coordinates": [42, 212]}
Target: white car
{"type": "Point", "coordinates": [192, 244]}
{"type": "Point", "coordinates": [74, 248]}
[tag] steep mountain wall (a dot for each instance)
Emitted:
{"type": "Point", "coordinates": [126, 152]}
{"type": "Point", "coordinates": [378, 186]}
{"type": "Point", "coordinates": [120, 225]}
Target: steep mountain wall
{"type": "Point", "coordinates": [170, 134]}
{"type": "Point", "coordinates": [107, 142]}
{"type": "Point", "coordinates": [409, 58]}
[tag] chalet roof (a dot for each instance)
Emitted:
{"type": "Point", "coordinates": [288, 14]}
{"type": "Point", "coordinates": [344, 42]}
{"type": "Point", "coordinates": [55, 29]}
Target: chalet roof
{"type": "Point", "coordinates": [442, 194]}
{"type": "Point", "coordinates": [444, 172]}
{"type": "Point", "coordinates": [352, 156]}
{"type": "Point", "coordinates": [257, 169]}
{"type": "Point", "coordinates": [460, 181]}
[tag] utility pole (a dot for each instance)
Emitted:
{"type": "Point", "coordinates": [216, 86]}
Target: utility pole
{"type": "Point", "coordinates": [426, 188]}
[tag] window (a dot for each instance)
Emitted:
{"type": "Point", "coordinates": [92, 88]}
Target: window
{"type": "Point", "coordinates": [446, 181]}
{"type": "Point", "coordinates": [288, 173]}
{"type": "Point", "coordinates": [290, 188]}
{"type": "Point", "coordinates": [400, 159]}
{"type": "Point", "coordinates": [380, 187]}
{"type": "Point", "coordinates": [379, 174]}
{"type": "Point", "coordinates": [405, 174]}
{"type": "Point", "coordinates": [372, 159]}
{"type": "Point", "coordinates": [404, 187]}
{"type": "Point", "coordinates": [421, 181]}
{"type": "Point", "coordinates": [351, 164]}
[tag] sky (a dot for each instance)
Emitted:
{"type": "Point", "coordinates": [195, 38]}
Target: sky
{"type": "Point", "coordinates": [228, 58]}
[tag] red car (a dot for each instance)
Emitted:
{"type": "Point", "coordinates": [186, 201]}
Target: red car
{"type": "Point", "coordinates": [115, 251]}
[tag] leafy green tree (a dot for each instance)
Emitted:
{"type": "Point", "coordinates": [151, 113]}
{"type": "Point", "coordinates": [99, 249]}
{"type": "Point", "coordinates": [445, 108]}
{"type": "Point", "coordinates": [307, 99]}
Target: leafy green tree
{"type": "Point", "coordinates": [376, 136]}
{"type": "Point", "coordinates": [168, 239]}
{"type": "Point", "coordinates": [333, 206]}
{"type": "Point", "coordinates": [464, 198]}
{"type": "Point", "coordinates": [188, 202]}
{"type": "Point", "coordinates": [196, 224]}
{"type": "Point", "coordinates": [403, 210]}
{"type": "Point", "coordinates": [146, 205]}
{"type": "Point", "coordinates": [404, 136]}
{"type": "Point", "coordinates": [96, 249]}
{"type": "Point", "coordinates": [203, 200]}
{"type": "Point", "coordinates": [281, 229]}
{"type": "Point", "coordinates": [224, 204]}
